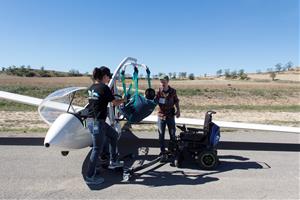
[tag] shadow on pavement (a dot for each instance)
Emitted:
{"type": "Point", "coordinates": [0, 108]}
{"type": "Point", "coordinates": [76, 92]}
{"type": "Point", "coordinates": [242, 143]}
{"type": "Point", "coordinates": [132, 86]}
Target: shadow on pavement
{"type": "Point", "coordinates": [226, 145]}
{"type": "Point", "coordinates": [129, 143]}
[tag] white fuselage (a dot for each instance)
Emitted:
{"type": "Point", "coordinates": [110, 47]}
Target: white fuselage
{"type": "Point", "coordinates": [68, 132]}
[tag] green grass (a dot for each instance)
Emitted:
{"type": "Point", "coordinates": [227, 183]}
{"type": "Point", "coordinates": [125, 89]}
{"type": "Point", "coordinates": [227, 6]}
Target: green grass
{"type": "Point", "coordinates": [39, 92]}
{"type": "Point", "coordinates": [34, 91]}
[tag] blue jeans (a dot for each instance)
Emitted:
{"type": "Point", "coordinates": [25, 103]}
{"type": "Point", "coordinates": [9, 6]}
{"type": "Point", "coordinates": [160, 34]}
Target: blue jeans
{"type": "Point", "coordinates": [101, 131]}
{"type": "Point", "coordinates": [162, 123]}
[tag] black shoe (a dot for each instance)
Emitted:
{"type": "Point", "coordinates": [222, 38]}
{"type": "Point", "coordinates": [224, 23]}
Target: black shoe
{"type": "Point", "coordinates": [94, 180]}
{"type": "Point", "coordinates": [172, 164]}
{"type": "Point", "coordinates": [164, 158]}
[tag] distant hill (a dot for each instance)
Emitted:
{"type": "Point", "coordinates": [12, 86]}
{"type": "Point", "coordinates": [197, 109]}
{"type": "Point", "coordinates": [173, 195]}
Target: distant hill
{"type": "Point", "coordinates": [292, 75]}
{"type": "Point", "coordinates": [29, 72]}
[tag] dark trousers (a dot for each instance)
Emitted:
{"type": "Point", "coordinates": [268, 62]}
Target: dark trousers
{"type": "Point", "coordinates": [162, 123]}
{"type": "Point", "coordinates": [101, 131]}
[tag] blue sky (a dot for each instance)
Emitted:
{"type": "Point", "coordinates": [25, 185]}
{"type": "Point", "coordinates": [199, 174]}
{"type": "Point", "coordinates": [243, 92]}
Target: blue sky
{"type": "Point", "coordinates": [194, 36]}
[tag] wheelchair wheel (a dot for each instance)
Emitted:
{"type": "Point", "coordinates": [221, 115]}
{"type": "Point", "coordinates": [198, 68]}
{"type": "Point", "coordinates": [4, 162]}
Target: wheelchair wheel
{"type": "Point", "coordinates": [178, 160]}
{"type": "Point", "coordinates": [207, 160]}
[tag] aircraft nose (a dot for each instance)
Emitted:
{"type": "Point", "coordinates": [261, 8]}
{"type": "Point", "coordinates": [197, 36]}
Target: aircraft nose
{"type": "Point", "coordinates": [68, 132]}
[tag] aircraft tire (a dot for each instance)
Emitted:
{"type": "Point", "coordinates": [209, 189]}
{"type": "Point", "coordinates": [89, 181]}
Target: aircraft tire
{"type": "Point", "coordinates": [64, 153]}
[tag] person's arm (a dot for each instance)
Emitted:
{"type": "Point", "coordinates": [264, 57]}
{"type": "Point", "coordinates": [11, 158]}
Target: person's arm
{"type": "Point", "coordinates": [176, 102]}
{"type": "Point", "coordinates": [117, 102]}
{"type": "Point", "coordinates": [156, 98]}
{"type": "Point", "coordinates": [111, 98]}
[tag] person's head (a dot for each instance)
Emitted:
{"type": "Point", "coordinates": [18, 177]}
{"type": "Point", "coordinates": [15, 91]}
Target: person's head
{"type": "Point", "coordinates": [102, 74]}
{"type": "Point", "coordinates": [164, 82]}
{"type": "Point", "coordinates": [150, 93]}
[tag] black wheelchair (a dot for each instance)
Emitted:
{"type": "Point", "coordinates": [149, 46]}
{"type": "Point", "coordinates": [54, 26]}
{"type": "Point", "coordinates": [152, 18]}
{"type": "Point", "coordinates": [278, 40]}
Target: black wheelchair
{"type": "Point", "coordinates": [200, 144]}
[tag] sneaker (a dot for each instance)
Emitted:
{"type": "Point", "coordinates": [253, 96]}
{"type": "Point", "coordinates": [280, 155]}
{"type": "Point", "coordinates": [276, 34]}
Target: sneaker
{"type": "Point", "coordinates": [162, 153]}
{"type": "Point", "coordinates": [115, 164]}
{"type": "Point", "coordinates": [94, 180]}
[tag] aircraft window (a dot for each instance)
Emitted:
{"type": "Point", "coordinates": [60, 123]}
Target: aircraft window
{"type": "Point", "coordinates": [58, 103]}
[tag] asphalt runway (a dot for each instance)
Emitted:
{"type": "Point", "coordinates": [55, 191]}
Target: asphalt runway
{"type": "Point", "coordinates": [254, 165]}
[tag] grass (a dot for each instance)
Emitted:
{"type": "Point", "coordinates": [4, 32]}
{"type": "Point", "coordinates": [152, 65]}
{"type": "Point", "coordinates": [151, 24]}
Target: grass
{"type": "Point", "coordinates": [34, 91]}
{"type": "Point", "coordinates": [13, 106]}
{"type": "Point", "coordinates": [218, 94]}
{"type": "Point", "coordinates": [233, 92]}
{"type": "Point", "coordinates": [274, 108]}
{"type": "Point", "coordinates": [23, 130]}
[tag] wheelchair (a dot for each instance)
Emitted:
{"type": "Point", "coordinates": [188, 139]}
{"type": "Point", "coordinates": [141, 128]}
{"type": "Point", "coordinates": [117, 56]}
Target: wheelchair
{"type": "Point", "coordinates": [200, 144]}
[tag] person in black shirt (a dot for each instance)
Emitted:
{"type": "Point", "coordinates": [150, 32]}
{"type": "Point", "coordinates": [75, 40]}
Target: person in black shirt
{"type": "Point", "coordinates": [99, 97]}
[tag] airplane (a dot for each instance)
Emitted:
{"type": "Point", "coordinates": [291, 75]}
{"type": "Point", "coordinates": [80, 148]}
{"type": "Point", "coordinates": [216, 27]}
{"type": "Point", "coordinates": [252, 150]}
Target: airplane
{"type": "Point", "coordinates": [69, 132]}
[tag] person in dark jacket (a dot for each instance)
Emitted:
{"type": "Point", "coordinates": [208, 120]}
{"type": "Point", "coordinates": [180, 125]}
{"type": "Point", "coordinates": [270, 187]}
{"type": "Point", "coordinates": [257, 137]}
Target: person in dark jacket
{"type": "Point", "coordinates": [168, 102]}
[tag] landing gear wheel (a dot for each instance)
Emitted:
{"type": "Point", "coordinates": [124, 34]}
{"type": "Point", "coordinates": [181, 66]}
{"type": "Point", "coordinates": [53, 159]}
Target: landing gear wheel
{"type": "Point", "coordinates": [64, 153]}
{"type": "Point", "coordinates": [207, 160]}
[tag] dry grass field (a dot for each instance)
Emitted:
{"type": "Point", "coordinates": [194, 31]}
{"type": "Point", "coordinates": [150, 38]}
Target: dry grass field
{"type": "Point", "coordinates": [257, 100]}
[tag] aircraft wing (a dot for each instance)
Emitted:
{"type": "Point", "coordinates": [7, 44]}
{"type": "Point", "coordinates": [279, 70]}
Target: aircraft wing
{"type": "Point", "coordinates": [153, 118]}
{"type": "Point", "coordinates": [49, 108]}
{"type": "Point", "coordinates": [21, 98]}
{"type": "Point", "coordinates": [235, 125]}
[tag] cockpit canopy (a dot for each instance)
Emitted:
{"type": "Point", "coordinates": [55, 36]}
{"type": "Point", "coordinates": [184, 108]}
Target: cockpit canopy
{"type": "Point", "coordinates": [61, 101]}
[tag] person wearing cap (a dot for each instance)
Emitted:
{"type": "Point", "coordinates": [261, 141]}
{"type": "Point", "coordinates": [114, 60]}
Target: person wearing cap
{"type": "Point", "coordinates": [168, 102]}
{"type": "Point", "coordinates": [99, 97]}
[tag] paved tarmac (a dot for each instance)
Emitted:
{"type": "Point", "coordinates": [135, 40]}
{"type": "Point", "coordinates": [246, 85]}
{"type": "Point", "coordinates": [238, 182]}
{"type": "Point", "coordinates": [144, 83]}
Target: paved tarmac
{"type": "Point", "coordinates": [254, 165]}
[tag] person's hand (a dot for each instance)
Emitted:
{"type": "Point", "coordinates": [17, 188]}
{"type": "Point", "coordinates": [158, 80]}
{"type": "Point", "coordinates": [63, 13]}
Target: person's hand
{"type": "Point", "coordinates": [177, 113]}
{"type": "Point", "coordinates": [125, 99]}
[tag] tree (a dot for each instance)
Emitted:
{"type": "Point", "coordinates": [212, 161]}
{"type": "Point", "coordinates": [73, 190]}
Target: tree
{"type": "Point", "coordinates": [242, 75]}
{"type": "Point", "coordinates": [141, 76]}
{"type": "Point", "coordinates": [191, 76]}
{"type": "Point", "coordinates": [234, 74]}
{"type": "Point", "coordinates": [241, 72]}
{"type": "Point", "coordinates": [227, 73]}
{"type": "Point", "coordinates": [3, 69]}
{"type": "Point", "coordinates": [170, 75]}
{"type": "Point", "coordinates": [273, 75]}
{"type": "Point", "coordinates": [278, 67]}
{"type": "Point", "coordinates": [74, 72]}
{"type": "Point", "coordinates": [182, 75]}
{"type": "Point", "coordinates": [219, 72]}
{"type": "Point", "coordinates": [155, 76]}
{"type": "Point", "coordinates": [31, 74]}
{"type": "Point", "coordinates": [174, 75]}
{"type": "Point", "coordinates": [160, 74]}
{"type": "Point", "coordinates": [289, 65]}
